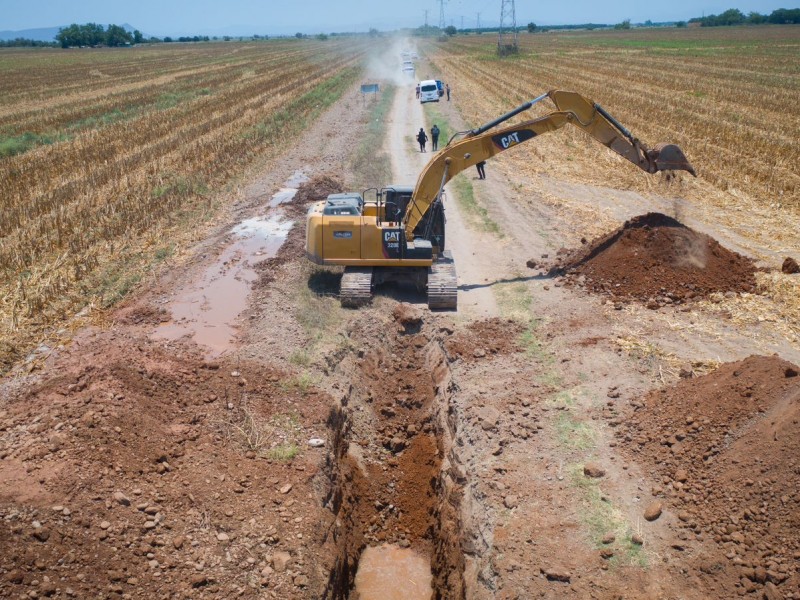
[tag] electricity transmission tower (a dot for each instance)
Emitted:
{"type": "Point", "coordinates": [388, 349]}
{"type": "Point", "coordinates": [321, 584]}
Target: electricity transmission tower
{"type": "Point", "coordinates": [441, 16]}
{"type": "Point", "coordinates": [507, 38]}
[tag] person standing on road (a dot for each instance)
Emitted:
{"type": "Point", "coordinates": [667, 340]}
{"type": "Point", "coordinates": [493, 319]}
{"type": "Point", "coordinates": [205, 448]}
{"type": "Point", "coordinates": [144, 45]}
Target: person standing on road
{"type": "Point", "coordinates": [481, 171]}
{"type": "Point", "coordinates": [422, 139]}
{"type": "Point", "coordinates": [417, 91]}
{"type": "Point", "coordinates": [447, 89]}
{"type": "Point", "coordinates": [434, 137]}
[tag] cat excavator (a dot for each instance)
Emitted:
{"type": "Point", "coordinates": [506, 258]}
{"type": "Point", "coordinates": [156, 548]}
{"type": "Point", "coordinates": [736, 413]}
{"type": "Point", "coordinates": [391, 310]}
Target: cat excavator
{"type": "Point", "coordinates": [400, 235]}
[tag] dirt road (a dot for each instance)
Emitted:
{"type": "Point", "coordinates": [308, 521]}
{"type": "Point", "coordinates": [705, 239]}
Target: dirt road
{"type": "Point", "coordinates": [546, 440]}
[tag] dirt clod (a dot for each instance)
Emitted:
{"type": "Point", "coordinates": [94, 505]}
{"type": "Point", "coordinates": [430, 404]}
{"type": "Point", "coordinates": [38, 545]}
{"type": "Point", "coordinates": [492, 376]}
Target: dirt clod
{"type": "Point", "coordinates": [653, 511]}
{"type": "Point", "coordinates": [593, 470]}
{"type": "Point", "coordinates": [790, 266]}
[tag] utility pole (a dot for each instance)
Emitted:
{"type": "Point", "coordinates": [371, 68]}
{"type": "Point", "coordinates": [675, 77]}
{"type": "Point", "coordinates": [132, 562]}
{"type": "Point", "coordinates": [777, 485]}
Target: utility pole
{"type": "Point", "coordinates": [507, 38]}
{"type": "Point", "coordinates": [441, 16]}
{"type": "Point", "coordinates": [462, 22]}
{"type": "Point", "coordinates": [426, 18]}
{"type": "Point", "coordinates": [479, 22]}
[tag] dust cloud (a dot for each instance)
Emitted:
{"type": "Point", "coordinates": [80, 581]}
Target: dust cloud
{"type": "Point", "coordinates": [388, 66]}
{"type": "Point", "coordinates": [690, 249]}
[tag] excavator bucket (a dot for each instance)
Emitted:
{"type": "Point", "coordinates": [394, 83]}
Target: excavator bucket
{"type": "Point", "coordinates": [669, 157]}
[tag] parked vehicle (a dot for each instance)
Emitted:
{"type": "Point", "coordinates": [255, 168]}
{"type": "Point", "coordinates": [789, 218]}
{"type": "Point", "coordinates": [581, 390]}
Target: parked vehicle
{"type": "Point", "coordinates": [428, 91]}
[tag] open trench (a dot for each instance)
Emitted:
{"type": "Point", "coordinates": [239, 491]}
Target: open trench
{"type": "Point", "coordinates": [395, 482]}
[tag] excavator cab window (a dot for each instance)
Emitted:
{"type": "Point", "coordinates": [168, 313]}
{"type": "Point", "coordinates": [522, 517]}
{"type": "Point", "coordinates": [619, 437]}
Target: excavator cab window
{"type": "Point", "coordinates": [343, 204]}
{"type": "Point", "coordinates": [396, 199]}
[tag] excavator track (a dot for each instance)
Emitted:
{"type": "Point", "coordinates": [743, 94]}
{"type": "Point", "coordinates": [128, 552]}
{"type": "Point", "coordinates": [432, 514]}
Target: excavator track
{"type": "Point", "coordinates": [356, 287]}
{"type": "Point", "coordinates": [443, 283]}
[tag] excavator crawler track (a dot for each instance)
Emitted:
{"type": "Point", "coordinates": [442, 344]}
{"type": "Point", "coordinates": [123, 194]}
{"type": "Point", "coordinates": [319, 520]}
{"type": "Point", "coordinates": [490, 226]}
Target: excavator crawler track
{"type": "Point", "coordinates": [356, 287]}
{"type": "Point", "coordinates": [443, 283]}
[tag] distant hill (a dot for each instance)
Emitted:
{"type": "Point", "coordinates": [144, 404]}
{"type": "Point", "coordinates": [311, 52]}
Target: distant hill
{"type": "Point", "coordinates": [45, 34]}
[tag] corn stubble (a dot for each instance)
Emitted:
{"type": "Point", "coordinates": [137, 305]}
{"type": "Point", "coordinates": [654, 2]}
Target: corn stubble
{"type": "Point", "coordinates": [145, 143]}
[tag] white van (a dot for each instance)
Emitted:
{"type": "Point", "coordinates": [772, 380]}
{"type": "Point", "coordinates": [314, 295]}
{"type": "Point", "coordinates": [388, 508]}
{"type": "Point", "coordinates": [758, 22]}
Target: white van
{"type": "Point", "coordinates": [428, 91]}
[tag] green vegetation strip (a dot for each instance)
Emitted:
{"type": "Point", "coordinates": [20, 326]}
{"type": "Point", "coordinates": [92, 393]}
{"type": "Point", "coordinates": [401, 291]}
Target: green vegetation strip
{"type": "Point", "coordinates": [600, 518]}
{"type": "Point", "coordinates": [372, 167]}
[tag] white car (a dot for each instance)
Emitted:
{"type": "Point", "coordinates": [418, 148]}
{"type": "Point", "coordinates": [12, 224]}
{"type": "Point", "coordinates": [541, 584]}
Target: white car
{"type": "Point", "coordinates": [428, 91]}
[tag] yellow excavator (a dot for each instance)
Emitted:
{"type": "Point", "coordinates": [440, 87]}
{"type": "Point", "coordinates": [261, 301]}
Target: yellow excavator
{"type": "Point", "coordinates": [400, 235]}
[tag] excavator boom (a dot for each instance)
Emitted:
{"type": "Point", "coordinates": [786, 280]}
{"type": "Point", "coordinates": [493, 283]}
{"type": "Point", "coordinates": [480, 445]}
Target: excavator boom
{"type": "Point", "coordinates": [480, 144]}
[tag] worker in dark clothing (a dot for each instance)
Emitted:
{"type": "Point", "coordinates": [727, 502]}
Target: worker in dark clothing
{"type": "Point", "coordinates": [434, 137]}
{"type": "Point", "coordinates": [447, 89]}
{"type": "Point", "coordinates": [417, 91]}
{"type": "Point", "coordinates": [422, 138]}
{"type": "Point", "coordinates": [481, 172]}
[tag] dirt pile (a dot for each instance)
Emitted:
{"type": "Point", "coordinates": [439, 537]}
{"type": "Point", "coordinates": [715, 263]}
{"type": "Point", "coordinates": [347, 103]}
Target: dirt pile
{"type": "Point", "coordinates": [726, 448]}
{"type": "Point", "coordinates": [142, 471]}
{"type": "Point", "coordinates": [318, 188]}
{"type": "Point", "coordinates": [485, 338]}
{"type": "Point", "coordinates": [656, 260]}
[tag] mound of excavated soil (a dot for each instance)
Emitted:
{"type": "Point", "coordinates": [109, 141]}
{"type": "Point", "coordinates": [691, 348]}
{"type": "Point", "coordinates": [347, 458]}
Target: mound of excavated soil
{"type": "Point", "coordinates": [482, 338]}
{"type": "Point", "coordinates": [655, 259]}
{"type": "Point", "coordinates": [318, 188]}
{"type": "Point", "coordinates": [726, 447]}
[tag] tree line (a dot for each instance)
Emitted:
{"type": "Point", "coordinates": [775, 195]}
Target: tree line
{"type": "Point", "coordinates": [92, 34]}
{"type": "Point", "coordinates": [733, 16]}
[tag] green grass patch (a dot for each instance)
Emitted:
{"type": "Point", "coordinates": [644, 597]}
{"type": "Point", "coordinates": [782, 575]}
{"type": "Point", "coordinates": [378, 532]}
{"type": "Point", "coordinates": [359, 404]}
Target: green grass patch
{"type": "Point", "coordinates": [317, 308]}
{"type": "Point", "coordinates": [300, 358]}
{"type": "Point", "coordinates": [118, 281]}
{"type": "Point", "coordinates": [574, 434]}
{"type": "Point", "coordinates": [514, 301]}
{"type": "Point", "coordinates": [475, 213]}
{"type": "Point", "coordinates": [19, 144]}
{"type": "Point", "coordinates": [180, 185]}
{"type": "Point", "coordinates": [164, 253]}
{"type": "Point", "coordinates": [283, 452]}
{"type": "Point", "coordinates": [600, 517]}
{"type": "Point", "coordinates": [301, 383]}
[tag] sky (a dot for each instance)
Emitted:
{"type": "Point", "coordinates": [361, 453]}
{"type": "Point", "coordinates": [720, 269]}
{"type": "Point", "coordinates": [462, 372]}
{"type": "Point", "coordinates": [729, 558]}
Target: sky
{"type": "Point", "coordinates": [247, 17]}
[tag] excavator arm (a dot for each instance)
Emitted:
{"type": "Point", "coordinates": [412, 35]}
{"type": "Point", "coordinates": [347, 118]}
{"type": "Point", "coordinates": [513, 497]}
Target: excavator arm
{"type": "Point", "coordinates": [481, 144]}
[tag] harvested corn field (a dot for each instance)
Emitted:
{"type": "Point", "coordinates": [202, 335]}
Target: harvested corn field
{"type": "Point", "coordinates": [109, 155]}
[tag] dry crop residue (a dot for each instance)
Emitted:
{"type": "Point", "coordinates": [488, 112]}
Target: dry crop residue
{"type": "Point", "coordinates": [657, 260]}
{"type": "Point", "coordinates": [725, 448]}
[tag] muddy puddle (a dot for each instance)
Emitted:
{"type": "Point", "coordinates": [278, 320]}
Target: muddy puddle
{"type": "Point", "coordinates": [207, 308]}
{"type": "Point", "coordinates": [394, 481]}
